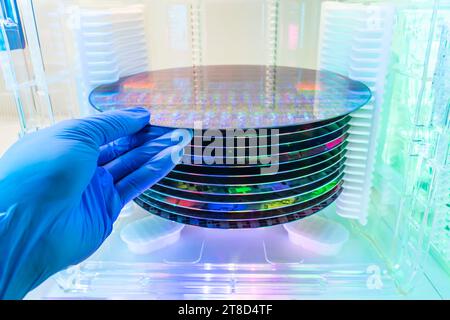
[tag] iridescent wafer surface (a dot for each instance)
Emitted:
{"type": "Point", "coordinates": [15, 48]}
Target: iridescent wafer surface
{"type": "Point", "coordinates": [235, 96]}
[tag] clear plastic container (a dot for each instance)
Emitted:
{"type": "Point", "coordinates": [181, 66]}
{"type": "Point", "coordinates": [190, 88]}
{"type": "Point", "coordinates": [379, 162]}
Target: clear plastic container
{"type": "Point", "coordinates": [395, 205]}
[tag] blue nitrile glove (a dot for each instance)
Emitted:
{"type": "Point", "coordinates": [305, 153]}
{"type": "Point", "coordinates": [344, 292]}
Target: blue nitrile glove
{"type": "Point", "coordinates": [62, 188]}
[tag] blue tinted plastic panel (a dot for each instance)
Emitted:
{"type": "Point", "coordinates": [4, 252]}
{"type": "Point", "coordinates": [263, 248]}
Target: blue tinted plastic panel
{"type": "Point", "coordinates": [12, 25]}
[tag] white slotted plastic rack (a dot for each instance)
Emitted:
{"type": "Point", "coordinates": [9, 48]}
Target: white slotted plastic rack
{"type": "Point", "coordinates": [355, 41]}
{"type": "Point", "coordinates": [111, 44]}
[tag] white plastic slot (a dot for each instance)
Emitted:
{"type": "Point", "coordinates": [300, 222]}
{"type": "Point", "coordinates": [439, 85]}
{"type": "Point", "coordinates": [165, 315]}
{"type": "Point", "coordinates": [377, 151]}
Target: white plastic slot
{"type": "Point", "coordinates": [355, 41]}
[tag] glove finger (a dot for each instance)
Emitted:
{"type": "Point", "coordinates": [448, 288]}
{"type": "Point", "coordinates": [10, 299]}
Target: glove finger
{"type": "Point", "coordinates": [108, 126]}
{"type": "Point", "coordinates": [110, 151]}
{"type": "Point", "coordinates": [151, 172]}
{"type": "Point", "coordinates": [135, 158]}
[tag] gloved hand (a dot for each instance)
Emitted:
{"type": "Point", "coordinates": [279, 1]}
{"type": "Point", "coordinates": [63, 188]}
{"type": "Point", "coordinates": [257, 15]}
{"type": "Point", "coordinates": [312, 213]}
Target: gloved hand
{"type": "Point", "coordinates": [62, 188]}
